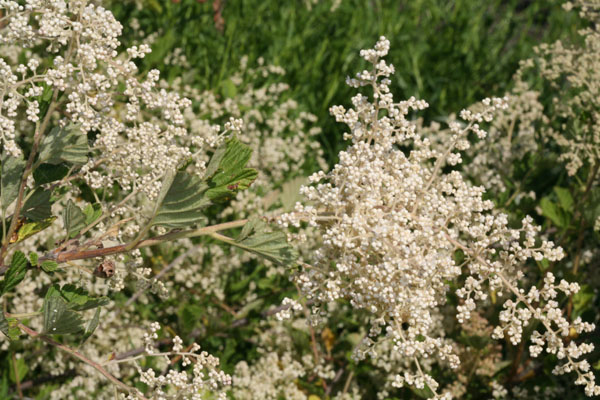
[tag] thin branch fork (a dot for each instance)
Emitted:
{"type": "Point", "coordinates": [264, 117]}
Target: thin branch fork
{"type": "Point", "coordinates": [93, 253]}
{"type": "Point", "coordinates": [36, 335]}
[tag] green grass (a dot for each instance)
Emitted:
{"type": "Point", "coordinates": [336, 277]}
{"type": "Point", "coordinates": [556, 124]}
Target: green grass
{"type": "Point", "coordinates": [450, 53]}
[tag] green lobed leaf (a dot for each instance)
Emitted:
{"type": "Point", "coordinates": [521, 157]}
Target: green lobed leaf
{"type": "Point", "coordinates": [184, 203]}
{"type": "Point", "coordinates": [66, 144]}
{"type": "Point", "coordinates": [184, 197]}
{"type": "Point", "coordinates": [33, 259]}
{"type": "Point", "coordinates": [38, 206]}
{"type": "Point", "coordinates": [12, 172]}
{"type": "Point", "coordinates": [270, 245]}
{"type": "Point", "coordinates": [31, 228]}
{"type": "Point", "coordinates": [73, 218]}
{"type": "Point", "coordinates": [46, 173]}
{"type": "Point", "coordinates": [92, 212]}
{"type": "Point", "coordinates": [58, 317]}
{"type": "Point", "coordinates": [231, 175]}
{"type": "Point", "coordinates": [15, 274]}
{"type": "Point", "coordinates": [49, 266]}
{"type": "Point", "coordinates": [77, 298]}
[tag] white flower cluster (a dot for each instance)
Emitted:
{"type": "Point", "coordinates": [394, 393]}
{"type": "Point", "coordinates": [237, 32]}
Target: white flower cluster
{"type": "Point", "coordinates": [271, 378]}
{"type": "Point", "coordinates": [205, 375]}
{"type": "Point", "coordinates": [572, 72]}
{"type": "Point", "coordinates": [398, 224]}
{"type": "Point", "coordinates": [511, 136]}
{"type": "Point", "coordinates": [282, 365]}
{"type": "Point", "coordinates": [138, 129]}
{"type": "Point", "coordinates": [288, 307]}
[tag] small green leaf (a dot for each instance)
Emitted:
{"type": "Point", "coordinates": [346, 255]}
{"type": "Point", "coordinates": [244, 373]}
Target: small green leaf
{"type": "Point", "coordinates": [232, 174]}
{"type": "Point", "coordinates": [66, 144]}
{"type": "Point", "coordinates": [554, 212]}
{"type": "Point", "coordinates": [21, 369]}
{"type": "Point", "coordinates": [49, 266]}
{"type": "Point", "coordinates": [424, 393]}
{"type": "Point", "coordinates": [38, 206]}
{"type": "Point", "coordinates": [92, 213]}
{"type": "Point", "coordinates": [189, 316]}
{"type": "Point", "coordinates": [91, 326]}
{"type": "Point", "coordinates": [184, 203]}
{"type": "Point", "coordinates": [228, 89]}
{"type": "Point", "coordinates": [564, 198]}
{"type": "Point", "coordinates": [8, 326]}
{"type": "Point", "coordinates": [31, 228]}
{"type": "Point", "coordinates": [33, 259]}
{"type": "Point", "coordinates": [73, 218]}
{"type": "Point", "coordinates": [270, 245]}
{"type": "Point", "coordinates": [46, 173]}
{"type": "Point", "coordinates": [58, 318]}
{"type": "Point", "coordinates": [79, 299]}
{"type": "Point", "coordinates": [543, 264]}
{"type": "Point", "coordinates": [15, 274]}
{"type": "Point", "coordinates": [3, 324]}
{"type": "Point", "coordinates": [12, 172]}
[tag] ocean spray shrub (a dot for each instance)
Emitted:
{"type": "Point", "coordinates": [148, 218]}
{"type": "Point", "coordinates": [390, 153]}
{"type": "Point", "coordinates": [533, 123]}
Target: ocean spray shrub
{"type": "Point", "coordinates": [392, 223]}
{"type": "Point", "coordinates": [396, 231]}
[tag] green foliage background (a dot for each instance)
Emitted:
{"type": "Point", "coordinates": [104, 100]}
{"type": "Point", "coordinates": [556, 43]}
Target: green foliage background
{"type": "Point", "coordinates": [450, 53]}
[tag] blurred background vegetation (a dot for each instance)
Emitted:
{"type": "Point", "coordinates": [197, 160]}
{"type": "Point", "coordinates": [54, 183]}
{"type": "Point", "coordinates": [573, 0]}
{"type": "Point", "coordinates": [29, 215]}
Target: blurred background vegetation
{"type": "Point", "coordinates": [450, 53]}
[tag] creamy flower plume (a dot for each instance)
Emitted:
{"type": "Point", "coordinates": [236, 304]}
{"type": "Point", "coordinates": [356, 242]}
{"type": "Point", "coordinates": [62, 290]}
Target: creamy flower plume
{"type": "Point", "coordinates": [398, 224]}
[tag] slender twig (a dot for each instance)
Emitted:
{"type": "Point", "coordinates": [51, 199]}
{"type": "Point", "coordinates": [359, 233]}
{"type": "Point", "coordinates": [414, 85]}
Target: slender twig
{"type": "Point", "coordinates": [17, 376]}
{"type": "Point", "coordinates": [336, 378]}
{"type": "Point", "coordinates": [347, 383]}
{"type": "Point", "coordinates": [48, 378]}
{"type": "Point", "coordinates": [36, 335]}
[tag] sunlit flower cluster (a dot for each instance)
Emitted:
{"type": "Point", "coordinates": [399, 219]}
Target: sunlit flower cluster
{"type": "Point", "coordinates": [398, 224]}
